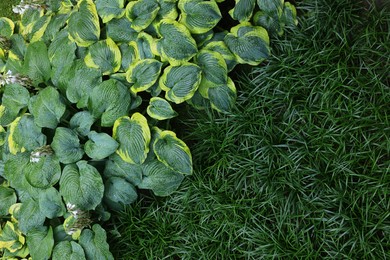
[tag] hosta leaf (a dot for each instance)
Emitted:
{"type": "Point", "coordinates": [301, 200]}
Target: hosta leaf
{"type": "Point", "coordinates": [14, 170]}
{"type": "Point", "coordinates": [116, 167]}
{"type": "Point", "coordinates": [81, 122]}
{"type": "Point", "coordinates": [7, 199]}
{"type": "Point", "coordinates": [7, 115]}
{"type": "Point", "coordinates": [43, 173]}
{"type": "Point", "coordinates": [173, 152]}
{"type": "Point", "coordinates": [100, 145]}
{"type": "Point", "coordinates": [18, 48]}
{"type": "Point", "coordinates": [109, 100]}
{"type": "Point", "coordinates": [118, 192]}
{"type": "Point", "coordinates": [250, 44]}
{"type": "Point", "coordinates": [269, 21]}
{"type": "Point", "coordinates": [39, 28]}
{"type": "Point", "coordinates": [62, 50]}
{"type": "Point", "coordinates": [213, 65]}
{"type": "Point", "coordinates": [66, 145]}
{"type": "Point", "coordinates": [199, 16]}
{"type": "Point", "coordinates": [28, 19]}
{"type": "Point", "coordinates": [167, 10]}
{"type": "Point", "coordinates": [202, 38]}
{"type": "Point", "coordinates": [24, 135]}
{"type": "Point", "coordinates": [223, 97]}
{"type": "Point", "coordinates": [133, 136]}
{"type": "Point", "coordinates": [145, 46]}
{"type": "Point", "coordinates": [109, 9]}
{"type": "Point", "coordinates": [36, 62]}
{"type": "Point", "coordinates": [104, 55]}
{"type": "Point", "coordinates": [243, 10]}
{"type": "Point", "coordinates": [141, 13]}
{"type": "Point", "coordinates": [7, 27]}
{"type": "Point", "coordinates": [30, 216]}
{"type": "Point", "coordinates": [289, 16]}
{"type": "Point", "coordinates": [54, 27]}
{"type": "Point", "coordinates": [15, 97]}
{"type": "Point", "coordinates": [221, 48]}
{"type": "Point", "coordinates": [143, 74]}
{"type": "Point", "coordinates": [47, 108]}
{"type": "Point", "coordinates": [11, 238]}
{"type": "Point", "coordinates": [40, 242]}
{"type": "Point", "coordinates": [160, 109]}
{"type": "Point", "coordinates": [94, 243]}
{"type": "Point", "coordinates": [180, 82]}
{"type": "Point", "coordinates": [176, 44]}
{"type": "Point", "coordinates": [271, 5]}
{"type": "Point", "coordinates": [81, 185]}
{"type": "Point", "coordinates": [119, 30]}
{"type": "Point", "coordinates": [50, 203]}
{"type": "Point", "coordinates": [129, 55]}
{"type": "Point", "coordinates": [83, 25]}
{"type": "Point", "coordinates": [162, 180]}
{"type": "Point", "coordinates": [68, 250]}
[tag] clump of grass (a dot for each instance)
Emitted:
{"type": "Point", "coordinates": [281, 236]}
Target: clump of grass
{"type": "Point", "coordinates": [6, 9]}
{"type": "Point", "coordinates": [300, 169]}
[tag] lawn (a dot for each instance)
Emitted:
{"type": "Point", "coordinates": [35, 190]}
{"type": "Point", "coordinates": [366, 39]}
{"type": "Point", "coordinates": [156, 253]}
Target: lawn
{"type": "Point", "coordinates": [6, 8]}
{"type": "Point", "coordinates": [300, 169]}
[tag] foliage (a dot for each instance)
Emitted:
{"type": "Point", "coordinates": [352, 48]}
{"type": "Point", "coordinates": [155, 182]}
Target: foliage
{"type": "Point", "coordinates": [85, 88]}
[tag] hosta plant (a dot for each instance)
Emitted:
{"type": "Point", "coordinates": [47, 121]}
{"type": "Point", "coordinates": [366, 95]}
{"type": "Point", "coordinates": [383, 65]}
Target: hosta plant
{"type": "Point", "coordinates": [85, 86]}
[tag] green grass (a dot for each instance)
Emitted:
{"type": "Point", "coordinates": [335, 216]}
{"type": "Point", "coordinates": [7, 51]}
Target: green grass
{"type": "Point", "coordinates": [300, 169]}
{"type": "Point", "coordinates": [6, 9]}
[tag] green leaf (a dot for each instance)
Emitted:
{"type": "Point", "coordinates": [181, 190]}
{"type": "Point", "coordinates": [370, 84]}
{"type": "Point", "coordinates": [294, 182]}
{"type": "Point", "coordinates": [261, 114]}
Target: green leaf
{"type": "Point", "coordinates": [116, 167]}
{"type": "Point", "coordinates": [43, 173]}
{"type": "Point", "coordinates": [199, 16]}
{"type": "Point", "coordinates": [24, 135]}
{"type": "Point", "coordinates": [81, 185]}
{"type": "Point", "coordinates": [109, 9]}
{"type": "Point", "coordinates": [11, 238]}
{"type": "Point", "coordinates": [162, 180]}
{"type": "Point", "coordinates": [269, 21]}
{"type": "Point", "coordinates": [50, 203]}
{"type": "Point", "coordinates": [133, 136]}
{"type": "Point", "coordinates": [27, 21]}
{"type": "Point", "coordinates": [118, 192]}
{"type": "Point", "coordinates": [68, 250]}
{"type": "Point", "coordinates": [40, 242]}
{"type": "Point", "coordinates": [271, 5]}
{"type": "Point", "coordinates": [66, 145]}
{"type": "Point", "coordinates": [30, 216]}
{"type": "Point", "coordinates": [223, 97]}
{"type": "Point", "coordinates": [243, 10]}
{"type": "Point", "coordinates": [141, 13]}
{"type": "Point", "coordinates": [83, 25]}
{"type": "Point", "coordinates": [221, 48]}
{"type": "Point", "coordinates": [81, 122]}
{"type": "Point", "coordinates": [129, 55]}
{"type": "Point", "coordinates": [47, 108]}
{"type": "Point", "coordinates": [119, 30]}
{"type": "Point", "coordinates": [100, 145]}
{"type": "Point", "coordinates": [104, 55]}
{"type": "Point", "coordinates": [173, 152]}
{"type": "Point", "coordinates": [289, 16]}
{"type": "Point", "coordinates": [7, 199]}
{"type": "Point", "coordinates": [160, 109]}
{"type": "Point", "coordinates": [176, 44]}
{"type": "Point", "coordinates": [250, 44]}
{"type": "Point", "coordinates": [143, 74]}
{"type": "Point", "coordinates": [36, 63]}
{"type": "Point", "coordinates": [38, 28]}
{"type": "Point", "coordinates": [180, 82]}
{"type": "Point", "coordinates": [62, 50]}
{"type": "Point", "coordinates": [7, 27]}
{"type": "Point", "coordinates": [15, 98]}
{"type": "Point", "coordinates": [213, 65]}
{"type": "Point", "coordinates": [14, 169]}
{"type": "Point", "coordinates": [109, 100]}
{"type": "Point", "coordinates": [94, 243]}
{"type": "Point", "coordinates": [54, 27]}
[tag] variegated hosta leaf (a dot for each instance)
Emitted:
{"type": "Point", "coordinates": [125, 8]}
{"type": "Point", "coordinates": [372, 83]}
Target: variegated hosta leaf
{"type": "Point", "coordinates": [198, 101]}
{"type": "Point", "coordinates": [40, 242]}
{"type": "Point", "coordinates": [54, 27]}
{"type": "Point", "coordinates": [250, 44]}
{"type": "Point", "coordinates": [119, 30]}
{"type": "Point", "coordinates": [173, 152]}
{"type": "Point", "coordinates": [15, 98]}
{"type": "Point", "coordinates": [109, 100]}
{"type": "Point", "coordinates": [36, 63]}
{"type": "Point", "coordinates": [167, 10]}
{"type": "Point", "coordinates": [7, 27]}
{"type": "Point", "coordinates": [94, 243]}
{"type": "Point", "coordinates": [203, 38]}
{"type": "Point", "coordinates": [116, 167]}
{"type": "Point", "coordinates": [104, 55]}
{"type": "Point", "coordinates": [118, 193]}
{"type": "Point", "coordinates": [81, 185]}
{"type": "Point", "coordinates": [145, 46]}
{"type": "Point", "coordinates": [83, 25]}
{"type": "Point", "coordinates": [30, 216]}
{"type": "Point", "coordinates": [289, 16]}
{"type": "Point", "coordinates": [129, 55]}
{"type": "Point", "coordinates": [271, 5]}
{"type": "Point", "coordinates": [66, 145]}
{"type": "Point", "coordinates": [133, 136]}
{"type": "Point", "coordinates": [270, 21]}
{"type": "Point", "coordinates": [143, 74]}
{"type": "Point", "coordinates": [220, 47]}
{"type": "Point", "coordinates": [223, 97]}
{"type": "Point", "coordinates": [47, 108]}
{"type": "Point", "coordinates": [176, 44]}
{"type": "Point", "coordinates": [39, 28]}
{"type": "Point", "coordinates": [162, 180]}
{"type": "Point", "coordinates": [243, 10]}
{"type": "Point", "coordinates": [180, 82]}
{"type": "Point", "coordinates": [43, 172]}
{"type": "Point", "coordinates": [109, 9]}
{"type": "Point", "coordinates": [11, 238]}
{"type": "Point", "coordinates": [160, 109]}
{"type": "Point", "coordinates": [81, 122]}
{"type": "Point", "coordinates": [213, 65]}
{"type": "Point", "coordinates": [62, 50]}
{"type": "Point", "coordinates": [7, 199]}
{"type": "Point", "coordinates": [141, 13]}
{"type": "Point", "coordinates": [100, 145]}
{"type": "Point", "coordinates": [68, 250]}
{"type": "Point", "coordinates": [199, 16]}
{"type": "Point", "coordinates": [28, 19]}
{"type": "Point", "coordinates": [24, 135]}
